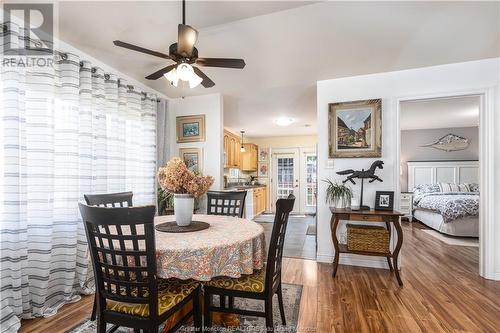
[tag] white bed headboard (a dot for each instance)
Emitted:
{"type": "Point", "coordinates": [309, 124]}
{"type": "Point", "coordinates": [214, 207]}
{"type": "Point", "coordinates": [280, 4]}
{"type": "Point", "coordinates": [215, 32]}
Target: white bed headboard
{"type": "Point", "coordinates": [433, 172]}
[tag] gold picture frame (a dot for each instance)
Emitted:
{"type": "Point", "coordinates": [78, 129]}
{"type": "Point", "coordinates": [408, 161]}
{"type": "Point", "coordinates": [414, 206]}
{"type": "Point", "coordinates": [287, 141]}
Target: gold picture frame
{"type": "Point", "coordinates": [355, 129]}
{"type": "Point", "coordinates": [193, 158]}
{"type": "Point", "coordinates": [190, 128]}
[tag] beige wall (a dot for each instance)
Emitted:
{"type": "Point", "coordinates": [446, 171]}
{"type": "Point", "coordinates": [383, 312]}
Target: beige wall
{"type": "Point", "coordinates": [284, 141]}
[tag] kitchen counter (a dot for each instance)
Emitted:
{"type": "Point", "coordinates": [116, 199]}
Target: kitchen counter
{"type": "Point", "coordinates": [242, 187]}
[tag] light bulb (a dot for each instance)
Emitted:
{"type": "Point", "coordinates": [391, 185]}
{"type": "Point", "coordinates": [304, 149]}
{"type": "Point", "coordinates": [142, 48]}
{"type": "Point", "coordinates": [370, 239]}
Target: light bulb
{"type": "Point", "coordinates": [194, 81]}
{"type": "Point", "coordinates": [173, 77]}
{"type": "Point", "coordinates": [284, 121]}
{"type": "Point", "coordinates": [242, 149]}
{"type": "Point", "coordinates": [185, 71]}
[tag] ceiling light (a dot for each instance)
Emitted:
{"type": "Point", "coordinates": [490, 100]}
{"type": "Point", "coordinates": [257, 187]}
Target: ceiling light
{"type": "Point", "coordinates": [242, 149]}
{"type": "Point", "coordinates": [183, 72]}
{"type": "Point", "coordinates": [173, 77]}
{"type": "Point", "coordinates": [284, 121]}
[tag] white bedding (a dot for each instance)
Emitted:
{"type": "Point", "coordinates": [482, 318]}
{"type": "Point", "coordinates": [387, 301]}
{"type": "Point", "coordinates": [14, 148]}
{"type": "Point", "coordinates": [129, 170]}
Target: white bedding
{"type": "Point", "coordinates": [464, 227]}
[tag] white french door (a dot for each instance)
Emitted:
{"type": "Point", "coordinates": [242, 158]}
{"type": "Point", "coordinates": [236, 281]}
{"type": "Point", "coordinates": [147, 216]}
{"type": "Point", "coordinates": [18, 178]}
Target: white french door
{"type": "Point", "coordinates": [285, 177]}
{"type": "Point", "coordinates": [294, 172]}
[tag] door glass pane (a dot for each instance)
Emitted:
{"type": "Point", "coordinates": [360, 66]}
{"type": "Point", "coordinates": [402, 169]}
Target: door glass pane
{"type": "Point", "coordinates": [311, 180]}
{"type": "Point", "coordinates": [285, 177]}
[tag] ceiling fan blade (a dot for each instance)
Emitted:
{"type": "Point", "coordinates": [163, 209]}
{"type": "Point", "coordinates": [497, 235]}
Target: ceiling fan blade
{"type": "Point", "coordinates": [207, 83]}
{"type": "Point", "coordinates": [140, 49]}
{"type": "Point", "coordinates": [186, 39]}
{"type": "Point", "coordinates": [158, 74]}
{"type": "Point", "coordinates": [221, 62]}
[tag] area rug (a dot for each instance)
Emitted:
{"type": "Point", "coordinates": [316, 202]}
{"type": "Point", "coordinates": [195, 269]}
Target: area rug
{"type": "Point", "coordinates": [453, 240]}
{"type": "Point", "coordinates": [311, 230]}
{"type": "Point", "coordinates": [291, 301]}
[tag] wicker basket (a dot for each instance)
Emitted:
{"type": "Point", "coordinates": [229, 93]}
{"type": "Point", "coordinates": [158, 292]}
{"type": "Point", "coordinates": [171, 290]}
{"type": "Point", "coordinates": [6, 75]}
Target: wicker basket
{"type": "Point", "coordinates": [367, 238]}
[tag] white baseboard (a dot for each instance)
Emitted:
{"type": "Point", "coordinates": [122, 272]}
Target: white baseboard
{"type": "Point", "coordinates": [355, 260]}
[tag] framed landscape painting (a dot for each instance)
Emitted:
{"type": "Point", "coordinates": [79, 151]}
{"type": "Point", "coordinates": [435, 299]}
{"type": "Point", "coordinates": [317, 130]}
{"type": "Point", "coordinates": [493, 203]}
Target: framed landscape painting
{"type": "Point", "coordinates": [193, 158]}
{"type": "Point", "coordinates": [355, 129]}
{"type": "Point", "coordinates": [190, 128]}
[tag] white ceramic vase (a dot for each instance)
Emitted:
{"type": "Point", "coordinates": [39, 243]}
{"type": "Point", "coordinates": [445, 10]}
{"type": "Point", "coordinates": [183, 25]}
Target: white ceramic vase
{"type": "Point", "coordinates": [183, 209]}
{"type": "Point", "coordinates": [340, 203]}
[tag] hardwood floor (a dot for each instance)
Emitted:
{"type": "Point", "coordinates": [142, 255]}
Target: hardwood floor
{"type": "Point", "coordinates": [442, 293]}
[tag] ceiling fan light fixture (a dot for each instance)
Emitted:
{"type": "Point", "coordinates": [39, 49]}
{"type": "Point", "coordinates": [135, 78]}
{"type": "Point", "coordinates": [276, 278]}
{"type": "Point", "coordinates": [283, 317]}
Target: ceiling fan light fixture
{"type": "Point", "coordinates": [185, 71]}
{"type": "Point", "coordinates": [194, 81]}
{"type": "Point", "coordinates": [172, 77]}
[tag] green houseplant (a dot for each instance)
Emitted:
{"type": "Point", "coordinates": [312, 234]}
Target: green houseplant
{"type": "Point", "coordinates": [338, 194]}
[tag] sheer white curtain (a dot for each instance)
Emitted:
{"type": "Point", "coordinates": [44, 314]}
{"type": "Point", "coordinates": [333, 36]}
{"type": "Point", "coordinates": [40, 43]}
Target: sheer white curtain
{"type": "Point", "coordinates": [65, 130]}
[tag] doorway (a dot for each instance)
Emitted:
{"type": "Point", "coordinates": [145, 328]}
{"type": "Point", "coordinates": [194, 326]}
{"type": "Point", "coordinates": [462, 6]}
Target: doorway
{"type": "Point", "coordinates": [293, 171]}
{"type": "Point", "coordinates": [439, 145]}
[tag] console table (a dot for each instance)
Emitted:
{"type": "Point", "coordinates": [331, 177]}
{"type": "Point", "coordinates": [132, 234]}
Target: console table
{"type": "Point", "coordinates": [369, 216]}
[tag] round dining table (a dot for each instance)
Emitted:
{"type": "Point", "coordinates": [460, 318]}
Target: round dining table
{"type": "Point", "coordinates": [231, 246]}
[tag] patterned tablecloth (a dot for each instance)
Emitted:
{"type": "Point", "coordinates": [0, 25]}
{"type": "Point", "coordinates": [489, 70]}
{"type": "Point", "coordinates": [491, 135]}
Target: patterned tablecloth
{"type": "Point", "coordinates": [230, 247]}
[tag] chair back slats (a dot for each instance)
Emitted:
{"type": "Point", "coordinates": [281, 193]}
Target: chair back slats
{"type": "Point", "coordinates": [122, 245]}
{"type": "Point", "coordinates": [276, 245]}
{"type": "Point", "coordinates": [226, 203]}
{"type": "Point", "coordinates": [121, 199]}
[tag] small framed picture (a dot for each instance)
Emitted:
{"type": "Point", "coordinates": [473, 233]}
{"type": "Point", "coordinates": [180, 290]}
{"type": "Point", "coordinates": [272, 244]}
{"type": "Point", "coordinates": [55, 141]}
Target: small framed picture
{"type": "Point", "coordinates": [190, 128]}
{"type": "Point", "coordinates": [193, 158]}
{"type": "Point", "coordinates": [384, 200]}
{"type": "Point", "coordinates": [263, 169]}
{"type": "Point", "coordinates": [263, 154]}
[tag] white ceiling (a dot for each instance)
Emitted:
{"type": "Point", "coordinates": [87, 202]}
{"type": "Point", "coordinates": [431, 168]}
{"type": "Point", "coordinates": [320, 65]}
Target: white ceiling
{"type": "Point", "coordinates": [440, 113]}
{"type": "Point", "coordinates": [287, 46]}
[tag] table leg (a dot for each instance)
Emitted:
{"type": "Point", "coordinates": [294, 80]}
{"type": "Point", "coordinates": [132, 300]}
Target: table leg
{"type": "Point", "coordinates": [388, 225]}
{"type": "Point", "coordinates": [334, 222]}
{"type": "Point", "coordinates": [395, 254]}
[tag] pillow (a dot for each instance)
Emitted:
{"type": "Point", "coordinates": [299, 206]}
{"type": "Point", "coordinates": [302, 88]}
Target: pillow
{"type": "Point", "coordinates": [451, 187]}
{"type": "Point", "coordinates": [474, 187]}
{"type": "Point", "coordinates": [426, 188]}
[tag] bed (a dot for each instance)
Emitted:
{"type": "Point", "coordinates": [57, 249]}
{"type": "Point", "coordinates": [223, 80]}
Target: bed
{"type": "Point", "coordinates": [446, 196]}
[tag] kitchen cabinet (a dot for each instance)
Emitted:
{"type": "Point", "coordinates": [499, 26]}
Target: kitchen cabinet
{"type": "Point", "coordinates": [232, 145]}
{"type": "Point", "coordinates": [249, 157]}
{"type": "Point", "coordinates": [259, 200]}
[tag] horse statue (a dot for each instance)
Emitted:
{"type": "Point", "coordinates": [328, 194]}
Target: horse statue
{"type": "Point", "coordinates": [370, 173]}
{"type": "Point", "coordinates": [363, 174]}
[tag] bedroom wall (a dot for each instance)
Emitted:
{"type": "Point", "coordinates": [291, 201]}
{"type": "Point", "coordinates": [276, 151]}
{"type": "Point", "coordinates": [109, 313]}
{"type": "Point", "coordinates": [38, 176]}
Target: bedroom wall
{"type": "Point", "coordinates": [412, 150]}
{"type": "Point", "coordinates": [428, 82]}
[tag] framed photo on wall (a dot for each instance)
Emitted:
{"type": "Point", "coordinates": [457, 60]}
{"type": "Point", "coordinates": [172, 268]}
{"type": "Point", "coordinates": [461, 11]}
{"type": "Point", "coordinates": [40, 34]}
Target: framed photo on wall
{"type": "Point", "coordinates": [355, 129]}
{"type": "Point", "coordinates": [193, 158]}
{"type": "Point", "coordinates": [263, 154]}
{"type": "Point", "coordinates": [263, 169]}
{"type": "Point", "coordinates": [190, 128]}
{"type": "Point", "coordinates": [384, 200]}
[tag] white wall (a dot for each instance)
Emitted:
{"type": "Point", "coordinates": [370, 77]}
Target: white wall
{"type": "Point", "coordinates": [212, 107]}
{"type": "Point", "coordinates": [453, 79]}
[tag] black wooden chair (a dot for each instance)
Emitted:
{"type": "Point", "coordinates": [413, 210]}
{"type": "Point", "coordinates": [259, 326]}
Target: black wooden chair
{"type": "Point", "coordinates": [122, 244]}
{"type": "Point", "coordinates": [262, 284]}
{"type": "Point", "coordinates": [226, 203]}
{"type": "Point", "coordinates": [107, 200]}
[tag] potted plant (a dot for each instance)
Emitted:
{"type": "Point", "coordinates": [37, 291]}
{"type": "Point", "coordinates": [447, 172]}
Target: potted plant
{"type": "Point", "coordinates": [175, 178]}
{"type": "Point", "coordinates": [338, 194]}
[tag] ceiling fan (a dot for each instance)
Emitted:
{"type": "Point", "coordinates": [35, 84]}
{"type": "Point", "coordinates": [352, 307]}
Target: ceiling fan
{"type": "Point", "coordinates": [185, 54]}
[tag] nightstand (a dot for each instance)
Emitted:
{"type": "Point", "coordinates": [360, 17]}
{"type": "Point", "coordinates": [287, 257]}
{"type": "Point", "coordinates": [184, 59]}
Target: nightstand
{"type": "Point", "coordinates": [406, 205]}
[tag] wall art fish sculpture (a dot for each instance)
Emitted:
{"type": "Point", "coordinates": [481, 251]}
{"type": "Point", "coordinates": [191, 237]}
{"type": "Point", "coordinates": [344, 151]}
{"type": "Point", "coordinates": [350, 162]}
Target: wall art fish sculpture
{"type": "Point", "coordinates": [450, 142]}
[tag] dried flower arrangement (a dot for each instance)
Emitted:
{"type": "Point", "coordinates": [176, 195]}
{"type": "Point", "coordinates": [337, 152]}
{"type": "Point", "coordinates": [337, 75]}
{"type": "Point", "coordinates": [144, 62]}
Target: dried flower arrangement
{"type": "Point", "coordinates": [175, 177]}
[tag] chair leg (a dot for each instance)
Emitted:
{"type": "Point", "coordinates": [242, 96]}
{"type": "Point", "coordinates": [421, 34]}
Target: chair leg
{"type": "Point", "coordinates": [197, 318]}
{"type": "Point", "coordinates": [207, 314]}
{"type": "Point", "coordinates": [101, 326]}
{"type": "Point", "coordinates": [280, 303]}
{"type": "Point", "coordinates": [93, 316]}
{"type": "Point", "coordinates": [269, 315]}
